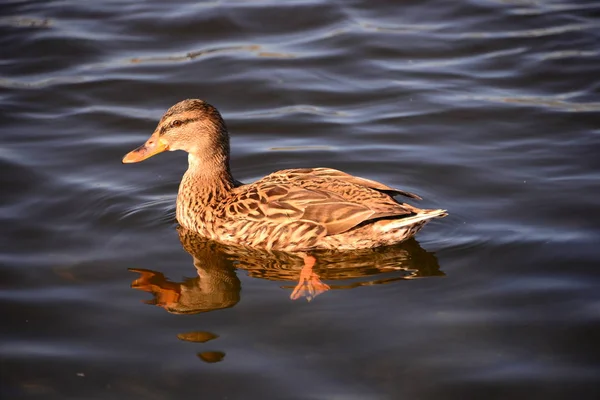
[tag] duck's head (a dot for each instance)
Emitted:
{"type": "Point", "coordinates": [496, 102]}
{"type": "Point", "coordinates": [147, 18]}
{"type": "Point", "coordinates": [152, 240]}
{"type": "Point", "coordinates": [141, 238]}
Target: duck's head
{"type": "Point", "coordinates": [191, 125]}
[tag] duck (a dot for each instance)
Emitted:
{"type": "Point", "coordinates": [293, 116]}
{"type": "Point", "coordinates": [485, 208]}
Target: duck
{"type": "Point", "coordinates": [292, 210]}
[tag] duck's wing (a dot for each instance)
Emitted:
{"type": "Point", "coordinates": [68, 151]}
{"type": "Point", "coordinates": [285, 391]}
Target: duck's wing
{"type": "Point", "coordinates": [335, 180]}
{"type": "Point", "coordinates": [335, 204]}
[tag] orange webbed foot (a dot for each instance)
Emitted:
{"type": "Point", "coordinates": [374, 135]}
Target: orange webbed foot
{"type": "Point", "coordinates": [309, 285]}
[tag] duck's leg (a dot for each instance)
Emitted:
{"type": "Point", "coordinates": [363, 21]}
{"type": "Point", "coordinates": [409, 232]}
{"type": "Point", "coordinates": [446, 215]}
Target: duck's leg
{"type": "Point", "coordinates": [309, 284]}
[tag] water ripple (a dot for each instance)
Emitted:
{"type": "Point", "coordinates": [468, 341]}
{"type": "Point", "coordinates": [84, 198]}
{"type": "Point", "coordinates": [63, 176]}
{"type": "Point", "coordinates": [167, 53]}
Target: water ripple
{"type": "Point", "coordinates": [525, 33]}
{"type": "Point", "coordinates": [256, 49]}
{"type": "Point", "coordinates": [546, 101]}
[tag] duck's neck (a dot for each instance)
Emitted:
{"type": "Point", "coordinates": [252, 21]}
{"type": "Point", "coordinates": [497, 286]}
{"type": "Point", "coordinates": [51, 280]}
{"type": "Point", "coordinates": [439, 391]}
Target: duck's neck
{"type": "Point", "coordinates": [207, 179]}
{"type": "Point", "coordinates": [205, 184]}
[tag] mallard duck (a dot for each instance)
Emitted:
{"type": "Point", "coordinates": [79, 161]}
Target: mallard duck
{"type": "Point", "coordinates": [290, 210]}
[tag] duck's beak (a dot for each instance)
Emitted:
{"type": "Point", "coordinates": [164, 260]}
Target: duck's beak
{"type": "Point", "coordinates": [153, 146]}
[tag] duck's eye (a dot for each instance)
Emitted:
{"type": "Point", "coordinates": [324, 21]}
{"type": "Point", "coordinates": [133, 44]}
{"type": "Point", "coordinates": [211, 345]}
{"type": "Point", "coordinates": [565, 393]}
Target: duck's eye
{"type": "Point", "coordinates": [176, 123]}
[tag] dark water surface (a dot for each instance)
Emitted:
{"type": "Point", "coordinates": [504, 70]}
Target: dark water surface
{"type": "Point", "coordinates": [490, 109]}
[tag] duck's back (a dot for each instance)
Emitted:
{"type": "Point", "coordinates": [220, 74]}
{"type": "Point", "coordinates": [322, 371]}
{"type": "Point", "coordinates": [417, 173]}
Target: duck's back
{"type": "Point", "coordinates": [300, 209]}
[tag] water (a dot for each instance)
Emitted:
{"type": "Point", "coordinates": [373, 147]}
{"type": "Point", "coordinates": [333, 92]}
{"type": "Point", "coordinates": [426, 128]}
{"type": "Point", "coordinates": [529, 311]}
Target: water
{"type": "Point", "coordinates": [489, 109]}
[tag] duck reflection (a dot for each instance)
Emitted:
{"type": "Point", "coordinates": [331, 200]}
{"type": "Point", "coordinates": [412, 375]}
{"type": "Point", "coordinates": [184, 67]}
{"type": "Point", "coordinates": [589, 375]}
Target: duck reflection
{"type": "Point", "coordinates": [217, 286]}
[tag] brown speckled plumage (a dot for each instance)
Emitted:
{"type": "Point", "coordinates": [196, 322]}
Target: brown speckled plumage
{"type": "Point", "coordinates": [290, 210]}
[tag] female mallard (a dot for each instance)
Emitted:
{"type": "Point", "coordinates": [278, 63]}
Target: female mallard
{"type": "Point", "coordinates": [289, 210]}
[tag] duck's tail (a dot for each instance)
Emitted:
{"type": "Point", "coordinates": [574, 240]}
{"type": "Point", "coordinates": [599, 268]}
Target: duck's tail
{"type": "Point", "coordinates": [417, 221]}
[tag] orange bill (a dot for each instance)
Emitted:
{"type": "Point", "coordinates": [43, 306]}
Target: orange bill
{"type": "Point", "coordinates": [153, 146]}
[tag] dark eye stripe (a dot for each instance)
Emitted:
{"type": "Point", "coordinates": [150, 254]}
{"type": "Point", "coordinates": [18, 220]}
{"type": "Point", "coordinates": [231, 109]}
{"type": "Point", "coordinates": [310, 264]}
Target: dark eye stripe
{"type": "Point", "coordinates": [165, 128]}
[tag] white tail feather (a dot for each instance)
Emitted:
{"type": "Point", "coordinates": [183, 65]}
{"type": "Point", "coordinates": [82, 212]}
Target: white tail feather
{"type": "Point", "coordinates": [422, 216]}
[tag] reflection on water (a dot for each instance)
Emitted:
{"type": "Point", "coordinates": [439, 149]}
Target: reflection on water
{"type": "Point", "coordinates": [217, 286]}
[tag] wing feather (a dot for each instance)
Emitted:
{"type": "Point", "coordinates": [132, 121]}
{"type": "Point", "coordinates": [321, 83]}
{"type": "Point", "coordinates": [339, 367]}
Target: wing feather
{"type": "Point", "coordinates": [336, 174]}
{"type": "Point", "coordinates": [330, 198]}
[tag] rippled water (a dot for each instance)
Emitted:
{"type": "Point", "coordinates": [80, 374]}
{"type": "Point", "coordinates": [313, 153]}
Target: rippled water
{"type": "Point", "coordinates": [489, 109]}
